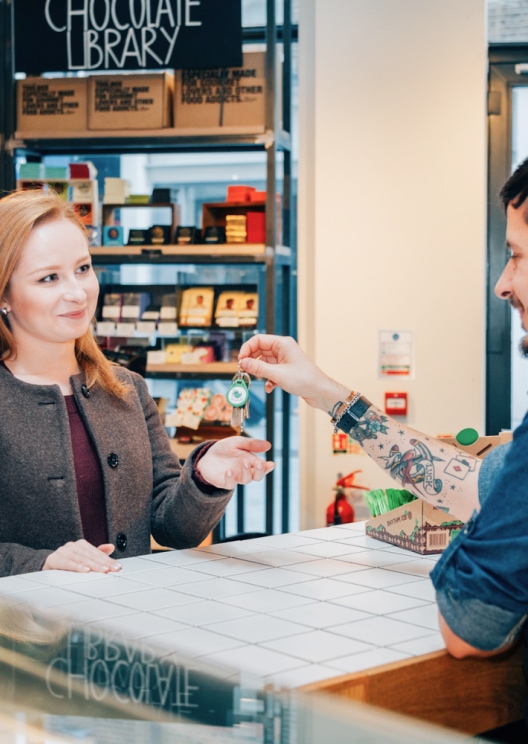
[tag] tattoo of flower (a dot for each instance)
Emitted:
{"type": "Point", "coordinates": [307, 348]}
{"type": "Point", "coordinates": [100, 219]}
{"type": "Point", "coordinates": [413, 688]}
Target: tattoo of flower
{"type": "Point", "coordinates": [369, 426]}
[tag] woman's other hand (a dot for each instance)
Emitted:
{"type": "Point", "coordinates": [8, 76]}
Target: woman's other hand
{"type": "Point", "coordinates": [83, 557]}
{"type": "Point", "coordinates": [234, 460]}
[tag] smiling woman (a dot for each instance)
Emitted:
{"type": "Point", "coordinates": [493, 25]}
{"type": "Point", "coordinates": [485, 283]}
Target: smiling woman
{"type": "Point", "coordinates": [88, 473]}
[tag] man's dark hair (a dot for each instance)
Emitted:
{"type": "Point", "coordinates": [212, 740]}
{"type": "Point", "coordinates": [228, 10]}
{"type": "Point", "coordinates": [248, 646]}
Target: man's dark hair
{"type": "Point", "coordinates": [515, 190]}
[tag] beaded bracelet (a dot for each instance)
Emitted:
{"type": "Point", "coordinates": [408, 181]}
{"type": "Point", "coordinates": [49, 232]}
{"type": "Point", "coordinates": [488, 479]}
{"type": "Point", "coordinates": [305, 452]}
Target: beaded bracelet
{"type": "Point", "coordinates": [340, 407]}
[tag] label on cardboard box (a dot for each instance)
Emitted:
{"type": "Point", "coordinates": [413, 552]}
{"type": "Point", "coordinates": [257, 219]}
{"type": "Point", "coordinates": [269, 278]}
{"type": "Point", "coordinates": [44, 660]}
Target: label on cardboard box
{"type": "Point", "coordinates": [52, 104]}
{"type": "Point", "coordinates": [416, 526]}
{"type": "Point", "coordinates": [130, 101]}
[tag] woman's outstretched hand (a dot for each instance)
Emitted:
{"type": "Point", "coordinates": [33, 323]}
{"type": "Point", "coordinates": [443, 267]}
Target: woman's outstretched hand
{"type": "Point", "coordinates": [234, 460]}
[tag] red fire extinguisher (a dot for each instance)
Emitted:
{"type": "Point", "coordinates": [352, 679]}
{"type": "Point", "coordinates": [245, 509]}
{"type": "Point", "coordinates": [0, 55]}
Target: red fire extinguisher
{"type": "Point", "coordinates": [340, 511]}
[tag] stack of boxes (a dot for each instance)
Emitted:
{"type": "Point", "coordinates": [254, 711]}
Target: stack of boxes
{"type": "Point", "coordinates": [236, 228]}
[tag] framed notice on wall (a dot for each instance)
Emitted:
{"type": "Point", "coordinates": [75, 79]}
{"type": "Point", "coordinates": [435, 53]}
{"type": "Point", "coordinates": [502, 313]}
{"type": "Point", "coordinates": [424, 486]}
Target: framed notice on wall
{"type": "Point", "coordinates": [63, 36]}
{"type": "Point", "coordinates": [396, 354]}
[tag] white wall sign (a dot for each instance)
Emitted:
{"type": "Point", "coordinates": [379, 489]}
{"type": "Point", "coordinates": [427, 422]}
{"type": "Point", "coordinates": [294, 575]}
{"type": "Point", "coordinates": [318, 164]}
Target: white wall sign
{"type": "Point", "coordinates": [396, 354]}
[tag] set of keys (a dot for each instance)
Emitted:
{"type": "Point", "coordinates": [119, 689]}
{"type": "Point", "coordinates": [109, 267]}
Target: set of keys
{"type": "Point", "coordinates": [238, 397]}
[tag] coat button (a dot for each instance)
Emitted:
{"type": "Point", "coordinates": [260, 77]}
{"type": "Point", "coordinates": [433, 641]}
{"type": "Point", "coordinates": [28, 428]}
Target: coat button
{"type": "Point", "coordinates": [121, 541]}
{"type": "Point", "coordinates": [113, 460]}
{"type": "Point", "coordinates": [85, 391]}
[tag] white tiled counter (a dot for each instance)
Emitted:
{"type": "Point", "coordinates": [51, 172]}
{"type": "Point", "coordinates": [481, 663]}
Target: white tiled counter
{"type": "Point", "coordinates": [324, 607]}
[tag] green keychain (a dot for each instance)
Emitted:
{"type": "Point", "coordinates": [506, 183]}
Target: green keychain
{"type": "Point", "coordinates": [238, 397]}
{"type": "Point", "coordinates": [238, 394]}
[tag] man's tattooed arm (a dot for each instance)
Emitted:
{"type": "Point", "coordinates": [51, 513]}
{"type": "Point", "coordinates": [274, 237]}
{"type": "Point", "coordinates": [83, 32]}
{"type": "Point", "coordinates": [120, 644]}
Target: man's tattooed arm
{"type": "Point", "coordinates": [431, 469]}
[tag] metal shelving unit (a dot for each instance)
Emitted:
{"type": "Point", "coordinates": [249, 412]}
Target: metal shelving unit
{"type": "Point", "coordinates": [275, 255]}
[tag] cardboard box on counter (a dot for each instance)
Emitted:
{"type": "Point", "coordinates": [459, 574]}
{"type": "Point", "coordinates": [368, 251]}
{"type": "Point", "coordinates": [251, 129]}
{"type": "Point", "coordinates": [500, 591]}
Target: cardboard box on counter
{"type": "Point", "coordinates": [415, 526]}
{"type": "Point", "coordinates": [52, 104]}
{"type": "Point", "coordinates": [423, 528]}
{"type": "Point", "coordinates": [130, 101]}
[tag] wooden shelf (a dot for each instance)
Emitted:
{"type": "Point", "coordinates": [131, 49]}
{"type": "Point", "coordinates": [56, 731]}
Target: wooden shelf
{"type": "Point", "coordinates": [228, 253]}
{"type": "Point", "coordinates": [197, 249]}
{"type": "Point", "coordinates": [200, 132]}
{"type": "Point", "coordinates": [151, 140]}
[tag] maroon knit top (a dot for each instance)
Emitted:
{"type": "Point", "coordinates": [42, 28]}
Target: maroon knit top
{"type": "Point", "coordinates": [88, 476]}
{"type": "Point", "coordinates": [90, 490]}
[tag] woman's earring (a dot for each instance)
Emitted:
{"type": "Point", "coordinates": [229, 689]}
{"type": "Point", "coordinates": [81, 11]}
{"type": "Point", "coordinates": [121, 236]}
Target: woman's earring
{"type": "Point", "coordinates": [4, 311]}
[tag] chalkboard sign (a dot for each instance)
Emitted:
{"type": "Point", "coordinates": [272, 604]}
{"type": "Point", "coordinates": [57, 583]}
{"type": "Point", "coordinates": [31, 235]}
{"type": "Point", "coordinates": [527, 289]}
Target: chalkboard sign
{"type": "Point", "coordinates": [95, 35]}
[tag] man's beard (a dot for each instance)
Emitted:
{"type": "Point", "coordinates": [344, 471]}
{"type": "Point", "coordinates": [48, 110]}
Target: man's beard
{"type": "Point", "coordinates": [523, 343]}
{"type": "Point", "coordinates": [523, 347]}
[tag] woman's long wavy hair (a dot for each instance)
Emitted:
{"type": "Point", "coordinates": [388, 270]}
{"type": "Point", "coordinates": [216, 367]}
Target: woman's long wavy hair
{"type": "Point", "coordinates": [20, 213]}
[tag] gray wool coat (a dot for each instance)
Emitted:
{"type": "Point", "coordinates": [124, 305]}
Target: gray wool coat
{"type": "Point", "coordinates": [146, 490]}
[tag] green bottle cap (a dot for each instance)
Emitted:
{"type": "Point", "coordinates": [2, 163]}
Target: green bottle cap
{"type": "Point", "coordinates": [467, 437]}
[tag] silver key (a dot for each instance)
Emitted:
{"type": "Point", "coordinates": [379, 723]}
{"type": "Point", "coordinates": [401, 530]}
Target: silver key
{"type": "Point", "coordinates": [237, 418]}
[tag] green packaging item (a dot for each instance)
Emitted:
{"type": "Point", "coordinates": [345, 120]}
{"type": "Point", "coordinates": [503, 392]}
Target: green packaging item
{"type": "Point", "coordinates": [381, 501]}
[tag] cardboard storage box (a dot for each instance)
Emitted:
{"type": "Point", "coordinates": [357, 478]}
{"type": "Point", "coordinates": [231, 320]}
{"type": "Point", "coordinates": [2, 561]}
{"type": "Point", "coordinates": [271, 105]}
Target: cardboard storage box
{"type": "Point", "coordinates": [51, 104]}
{"type": "Point", "coordinates": [416, 526]}
{"type": "Point", "coordinates": [130, 101]}
{"type": "Point", "coordinates": [419, 526]}
{"type": "Point", "coordinates": [233, 97]}
{"type": "Point", "coordinates": [482, 445]}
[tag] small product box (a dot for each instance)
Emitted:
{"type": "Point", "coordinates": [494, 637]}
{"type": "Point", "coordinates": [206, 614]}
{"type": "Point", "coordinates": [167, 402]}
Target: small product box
{"type": "Point", "coordinates": [134, 304]}
{"type": "Point", "coordinates": [256, 227]}
{"type": "Point", "coordinates": [156, 356]}
{"type": "Point", "coordinates": [416, 526]}
{"type": "Point", "coordinates": [85, 213]}
{"type": "Point", "coordinates": [185, 235]}
{"type": "Point", "coordinates": [105, 328]}
{"type": "Point", "coordinates": [52, 104]}
{"type": "Point", "coordinates": [112, 306]}
{"type": "Point", "coordinates": [130, 101]}
{"type": "Point", "coordinates": [168, 307]}
{"type": "Point", "coordinates": [139, 236]}
{"type": "Point", "coordinates": [113, 235]}
{"type": "Point", "coordinates": [233, 97]}
{"type": "Point", "coordinates": [167, 328]}
{"type": "Point", "coordinates": [214, 234]}
{"type": "Point", "coordinates": [240, 193]}
{"type": "Point", "coordinates": [160, 234]}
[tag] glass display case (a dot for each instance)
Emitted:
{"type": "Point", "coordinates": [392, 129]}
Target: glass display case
{"type": "Point", "coordinates": [62, 682]}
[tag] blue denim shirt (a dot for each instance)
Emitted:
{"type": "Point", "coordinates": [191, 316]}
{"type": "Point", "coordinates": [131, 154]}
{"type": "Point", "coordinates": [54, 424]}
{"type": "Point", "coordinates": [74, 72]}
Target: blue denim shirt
{"type": "Point", "coordinates": [481, 580]}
